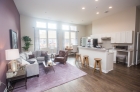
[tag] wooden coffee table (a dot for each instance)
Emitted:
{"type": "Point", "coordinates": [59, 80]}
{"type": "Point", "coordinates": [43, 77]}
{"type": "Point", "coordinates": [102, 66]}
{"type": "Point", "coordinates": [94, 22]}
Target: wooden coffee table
{"type": "Point", "coordinates": [49, 65]}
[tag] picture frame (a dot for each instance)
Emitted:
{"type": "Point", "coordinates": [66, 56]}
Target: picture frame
{"type": "Point", "coordinates": [13, 39]}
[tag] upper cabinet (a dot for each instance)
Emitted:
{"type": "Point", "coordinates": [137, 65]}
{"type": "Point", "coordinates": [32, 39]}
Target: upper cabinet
{"type": "Point", "coordinates": [129, 36]}
{"type": "Point", "coordinates": [113, 38]}
{"type": "Point", "coordinates": [122, 37]}
{"type": "Point", "coordinates": [118, 37]}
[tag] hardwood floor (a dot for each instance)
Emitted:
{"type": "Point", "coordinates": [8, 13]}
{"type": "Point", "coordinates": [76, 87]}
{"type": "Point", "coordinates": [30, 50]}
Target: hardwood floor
{"type": "Point", "coordinates": [121, 79]}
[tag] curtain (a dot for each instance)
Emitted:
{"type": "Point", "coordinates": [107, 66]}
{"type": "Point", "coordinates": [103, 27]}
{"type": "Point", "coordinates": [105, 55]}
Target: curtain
{"type": "Point", "coordinates": [36, 39]}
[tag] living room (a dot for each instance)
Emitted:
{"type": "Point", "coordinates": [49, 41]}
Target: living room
{"type": "Point", "coordinates": [50, 43]}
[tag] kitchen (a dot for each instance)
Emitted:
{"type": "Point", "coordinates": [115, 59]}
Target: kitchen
{"type": "Point", "coordinates": [109, 47]}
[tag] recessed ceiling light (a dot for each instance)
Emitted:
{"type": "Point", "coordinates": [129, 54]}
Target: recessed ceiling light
{"type": "Point", "coordinates": [110, 7]}
{"type": "Point", "coordinates": [83, 8]}
{"type": "Point", "coordinates": [97, 12]}
{"type": "Point", "coordinates": [96, 0]}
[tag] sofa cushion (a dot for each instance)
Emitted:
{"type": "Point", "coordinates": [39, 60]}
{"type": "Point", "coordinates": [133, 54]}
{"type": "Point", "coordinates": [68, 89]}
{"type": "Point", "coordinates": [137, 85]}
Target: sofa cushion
{"type": "Point", "coordinates": [24, 62]}
{"type": "Point", "coordinates": [23, 56]}
{"type": "Point", "coordinates": [40, 58]}
{"type": "Point", "coordinates": [43, 53]}
{"type": "Point", "coordinates": [34, 53]}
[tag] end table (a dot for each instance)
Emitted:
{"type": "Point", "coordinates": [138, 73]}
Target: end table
{"type": "Point", "coordinates": [13, 77]}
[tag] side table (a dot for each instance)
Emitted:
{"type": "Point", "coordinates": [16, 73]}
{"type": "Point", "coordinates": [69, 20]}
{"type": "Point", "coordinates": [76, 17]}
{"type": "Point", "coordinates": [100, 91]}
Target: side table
{"type": "Point", "coordinates": [13, 77]}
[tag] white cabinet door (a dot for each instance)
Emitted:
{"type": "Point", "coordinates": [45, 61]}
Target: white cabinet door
{"type": "Point", "coordinates": [113, 38]}
{"type": "Point", "coordinates": [129, 36]}
{"type": "Point", "coordinates": [123, 37]}
{"type": "Point", "coordinates": [117, 37]}
{"type": "Point", "coordinates": [108, 35]}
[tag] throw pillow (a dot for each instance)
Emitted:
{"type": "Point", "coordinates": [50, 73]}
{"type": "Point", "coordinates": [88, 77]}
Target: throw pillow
{"type": "Point", "coordinates": [23, 56]}
{"type": "Point", "coordinates": [31, 56]}
{"type": "Point", "coordinates": [24, 62]}
{"type": "Point", "coordinates": [44, 53]}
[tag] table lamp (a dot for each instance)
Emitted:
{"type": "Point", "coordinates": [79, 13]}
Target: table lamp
{"type": "Point", "coordinates": [12, 54]}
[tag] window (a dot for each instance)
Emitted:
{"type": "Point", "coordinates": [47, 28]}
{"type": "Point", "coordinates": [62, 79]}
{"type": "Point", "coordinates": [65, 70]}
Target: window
{"type": "Point", "coordinates": [73, 38]}
{"type": "Point", "coordinates": [52, 41]}
{"type": "Point", "coordinates": [67, 40]}
{"type": "Point", "coordinates": [73, 28]}
{"type": "Point", "coordinates": [65, 27]}
{"type": "Point", "coordinates": [42, 36]}
{"type": "Point", "coordinates": [40, 24]}
{"type": "Point", "coordinates": [52, 26]}
{"type": "Point", "coordinates": [70, 36]}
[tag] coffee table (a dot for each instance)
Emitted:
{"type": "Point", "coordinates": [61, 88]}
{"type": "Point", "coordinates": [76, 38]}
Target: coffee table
{"type": "Point", "coordinates": [49, 65]}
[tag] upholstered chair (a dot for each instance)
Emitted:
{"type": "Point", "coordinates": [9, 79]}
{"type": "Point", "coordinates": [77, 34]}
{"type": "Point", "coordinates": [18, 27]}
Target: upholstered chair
{"type": "Point", "coordinates": [61, 57]}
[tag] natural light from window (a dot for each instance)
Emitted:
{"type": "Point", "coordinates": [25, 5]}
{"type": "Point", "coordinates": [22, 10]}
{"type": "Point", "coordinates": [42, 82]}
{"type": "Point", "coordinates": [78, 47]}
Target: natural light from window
{"type": "Point", "coordinates": [52, 26]}
{"type": "Point", "coordinates": [40, 24]}
{"type": "Point", "coordinates": [42, 36]}
{"type": "Point", "coordinates": [65, 27]}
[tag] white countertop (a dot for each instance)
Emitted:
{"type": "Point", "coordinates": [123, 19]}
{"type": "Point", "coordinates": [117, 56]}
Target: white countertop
{"type": "Point", "coordinates": [92, 48]}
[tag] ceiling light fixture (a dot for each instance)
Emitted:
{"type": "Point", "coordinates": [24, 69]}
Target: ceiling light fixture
{"type": "Point", "coordinates": [97, 13]}
{"type": "Point", "coordinates": [96, 0]}
{"type": "Point", "coordinates": [110, 7]}
{"type": "Point", "coordinates": [83, 8]}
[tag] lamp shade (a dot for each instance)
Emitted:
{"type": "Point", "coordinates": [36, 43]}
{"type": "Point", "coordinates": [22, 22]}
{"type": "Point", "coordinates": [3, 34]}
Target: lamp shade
{"type": "Point", "coordinates": [12, 54]}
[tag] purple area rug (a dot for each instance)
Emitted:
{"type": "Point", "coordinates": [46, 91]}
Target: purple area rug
{"type": "Point", "coordinates": [62, 74]}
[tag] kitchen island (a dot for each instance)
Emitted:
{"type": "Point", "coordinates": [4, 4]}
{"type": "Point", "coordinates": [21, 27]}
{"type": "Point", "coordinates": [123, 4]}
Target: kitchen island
{"type": "Point", "coordinates": [105, 55]}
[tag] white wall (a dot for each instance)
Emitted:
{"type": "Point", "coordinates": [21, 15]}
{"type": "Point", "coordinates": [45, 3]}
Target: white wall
{"type": "Point", "coordinates": [27, 29]}
{"type": "Point", "coordinates": [122, 21]}
{"type": "Point", "coordinates": [89, 30]}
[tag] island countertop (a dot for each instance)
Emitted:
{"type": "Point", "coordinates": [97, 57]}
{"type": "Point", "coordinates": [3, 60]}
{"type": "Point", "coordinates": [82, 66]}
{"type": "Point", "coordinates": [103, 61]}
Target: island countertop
{"type": "Point", "coordinates": [105, 55]}
{"type": "Point", "coordinates": [92, 48]}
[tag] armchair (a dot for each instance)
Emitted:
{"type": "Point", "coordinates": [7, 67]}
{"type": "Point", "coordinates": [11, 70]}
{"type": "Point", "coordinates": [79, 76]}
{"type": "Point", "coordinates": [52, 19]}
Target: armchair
{"type": "Point", "coordinates": [62, 57]}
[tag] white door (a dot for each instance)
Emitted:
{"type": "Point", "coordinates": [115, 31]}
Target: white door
{"type": "Point", "coordinates": [138, 49]}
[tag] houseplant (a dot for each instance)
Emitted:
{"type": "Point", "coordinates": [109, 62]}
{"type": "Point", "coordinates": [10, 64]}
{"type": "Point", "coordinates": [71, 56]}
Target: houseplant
{"type": "Point", "coordinates": [27, 43]}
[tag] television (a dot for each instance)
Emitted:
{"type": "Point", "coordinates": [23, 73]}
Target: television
{"type": "Point", "coordinates": [95, 42]}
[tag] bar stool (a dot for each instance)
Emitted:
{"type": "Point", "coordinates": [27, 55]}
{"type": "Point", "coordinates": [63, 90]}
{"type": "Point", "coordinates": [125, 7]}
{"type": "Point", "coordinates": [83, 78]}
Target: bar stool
{"type": "Point", "coordinates": [85, 60]}
{"type": "Point", "coordinates": [78, 59]}
{"type": "Point", "coordinates": [97, 62]}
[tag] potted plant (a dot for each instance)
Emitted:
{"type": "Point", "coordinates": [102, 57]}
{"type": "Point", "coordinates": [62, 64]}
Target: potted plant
{"type": "Point", "coordinates": [27, 43]}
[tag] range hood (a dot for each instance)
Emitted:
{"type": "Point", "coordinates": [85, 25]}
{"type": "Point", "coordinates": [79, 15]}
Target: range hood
{"type": "Point", "coordinates": [105, 38]}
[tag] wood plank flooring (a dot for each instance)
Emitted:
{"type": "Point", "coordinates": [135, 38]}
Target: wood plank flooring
{"type": "Point", "coordinates": [121, 79]}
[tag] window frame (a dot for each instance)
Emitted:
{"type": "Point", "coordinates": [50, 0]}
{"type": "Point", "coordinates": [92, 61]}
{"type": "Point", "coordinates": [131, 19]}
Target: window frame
{"type": "Point", "coordinates": [76, 36]}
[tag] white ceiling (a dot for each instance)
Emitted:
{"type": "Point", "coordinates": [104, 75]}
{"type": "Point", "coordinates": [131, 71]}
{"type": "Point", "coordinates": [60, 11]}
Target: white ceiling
{"type": "Point", "coordinates": [70, 10]}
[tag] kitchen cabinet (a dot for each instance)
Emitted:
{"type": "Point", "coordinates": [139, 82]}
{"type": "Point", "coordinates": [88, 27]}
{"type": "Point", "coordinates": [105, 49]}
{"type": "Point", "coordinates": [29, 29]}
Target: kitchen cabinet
{"type": "Point", "coordinates": [129, 36]}
{"type": "Point", "coordinates": [117, 37]}
{"type": "Point", "coordinates": [123, 37]}
{"type": "Point", "coordinates": [113, 38]}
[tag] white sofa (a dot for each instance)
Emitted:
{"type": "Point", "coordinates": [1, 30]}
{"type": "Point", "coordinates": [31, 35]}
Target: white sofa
{"type": "Point", "coordinates": [32, 69]}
